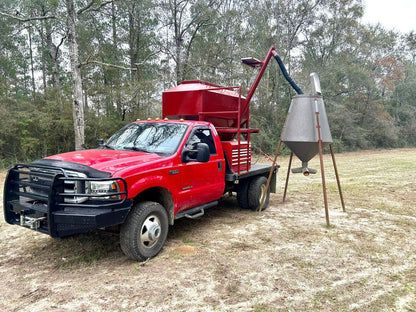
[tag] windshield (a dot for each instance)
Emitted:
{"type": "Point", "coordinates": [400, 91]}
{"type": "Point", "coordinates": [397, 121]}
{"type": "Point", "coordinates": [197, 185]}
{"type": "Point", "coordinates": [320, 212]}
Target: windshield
{"type": "Point", "coordinates": [160, 138]}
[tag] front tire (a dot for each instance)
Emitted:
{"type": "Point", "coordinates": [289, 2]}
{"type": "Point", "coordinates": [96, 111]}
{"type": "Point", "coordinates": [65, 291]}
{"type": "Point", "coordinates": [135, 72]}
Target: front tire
{"type": "Point", "coordinates": [143, 234]}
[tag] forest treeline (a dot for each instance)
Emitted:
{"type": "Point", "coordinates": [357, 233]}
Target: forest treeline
{"type": "Point", "coordinates": [95, 65]}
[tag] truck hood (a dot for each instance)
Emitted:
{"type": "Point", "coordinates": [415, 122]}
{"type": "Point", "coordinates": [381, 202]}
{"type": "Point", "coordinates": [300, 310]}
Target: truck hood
{"type": "Point", "coordinates": [107, 160]}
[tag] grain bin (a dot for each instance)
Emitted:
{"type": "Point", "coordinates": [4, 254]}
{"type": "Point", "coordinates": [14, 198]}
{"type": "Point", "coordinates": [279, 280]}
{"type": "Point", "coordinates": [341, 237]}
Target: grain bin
{"type": "Point", "coordinates": [300, 133]}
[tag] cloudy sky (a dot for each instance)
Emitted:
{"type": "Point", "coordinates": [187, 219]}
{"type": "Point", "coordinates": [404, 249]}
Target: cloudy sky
{"type": "Point", "coordinates": [392, 14]}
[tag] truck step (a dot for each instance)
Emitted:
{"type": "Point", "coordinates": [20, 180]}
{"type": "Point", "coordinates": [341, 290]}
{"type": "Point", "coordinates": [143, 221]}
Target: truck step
{"type": "Point", "coordinates": [196, 212]}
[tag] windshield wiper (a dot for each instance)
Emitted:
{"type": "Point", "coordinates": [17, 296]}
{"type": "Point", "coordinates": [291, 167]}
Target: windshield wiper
{"type": "Point", "coordinates": [106, 146]}
{"type": "Point", "coordinates": [136, 149]}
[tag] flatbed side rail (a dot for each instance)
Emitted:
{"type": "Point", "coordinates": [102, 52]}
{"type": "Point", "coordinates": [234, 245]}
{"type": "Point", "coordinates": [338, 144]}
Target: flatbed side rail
{"type": "Point", "coordinates": [255, 170]}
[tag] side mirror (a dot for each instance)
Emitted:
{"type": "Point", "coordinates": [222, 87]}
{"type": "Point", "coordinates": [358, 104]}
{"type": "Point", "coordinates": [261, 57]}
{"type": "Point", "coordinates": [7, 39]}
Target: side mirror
{"type": "Point", "coordinates": [100, 142]}
{"type": "Point", "coordinates": [200, 154]}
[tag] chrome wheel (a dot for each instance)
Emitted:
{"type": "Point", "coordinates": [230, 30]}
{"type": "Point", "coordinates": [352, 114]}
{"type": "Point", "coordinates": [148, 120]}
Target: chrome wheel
{"type": "Point", "coordinates": [150, 231]}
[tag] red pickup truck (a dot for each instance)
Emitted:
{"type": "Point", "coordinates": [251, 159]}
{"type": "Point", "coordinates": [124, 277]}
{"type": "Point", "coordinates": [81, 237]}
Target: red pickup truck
{"type": "Point", "coordinates": [147, 174]}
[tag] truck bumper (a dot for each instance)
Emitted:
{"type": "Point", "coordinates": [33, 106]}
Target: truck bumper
{"type": "Point", "coordinates": [46, 211]}
{"type": "Point", "coordinates": [66, 222]}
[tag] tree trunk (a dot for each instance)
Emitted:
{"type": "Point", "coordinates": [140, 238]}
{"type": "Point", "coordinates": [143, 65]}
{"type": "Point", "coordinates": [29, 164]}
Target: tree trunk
{"type": "Point", "coordinates": [53, 55]}
{"type": "Point", "coordinates": [78, 107]}
{"type": "Point", "coordinates": [114, 31]}
{"type": "Point", "coordinates": [44, 71]}
{"type": "Point", "coordinates": [132, 43]}
{"type": "Point", "coordinates": [32, 66]}
{"type": "Point", "coordinates": [177, 22]}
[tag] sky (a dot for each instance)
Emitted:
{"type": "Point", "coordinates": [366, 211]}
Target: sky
{"type": "Point", "coordinates": [392, 14]}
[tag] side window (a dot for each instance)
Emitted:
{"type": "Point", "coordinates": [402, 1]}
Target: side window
{"type": "Point", "coordinates": [202, 136]}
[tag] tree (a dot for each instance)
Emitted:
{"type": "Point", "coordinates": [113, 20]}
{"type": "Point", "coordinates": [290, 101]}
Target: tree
{"type": "Point", "coordinates": [185, 19]}
{"type": "Point", "coordinates": [77, 101]}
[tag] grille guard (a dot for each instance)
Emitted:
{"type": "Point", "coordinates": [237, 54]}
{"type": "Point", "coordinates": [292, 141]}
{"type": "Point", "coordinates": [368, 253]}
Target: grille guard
{"type": "Point", "coordinates": [38, 191]}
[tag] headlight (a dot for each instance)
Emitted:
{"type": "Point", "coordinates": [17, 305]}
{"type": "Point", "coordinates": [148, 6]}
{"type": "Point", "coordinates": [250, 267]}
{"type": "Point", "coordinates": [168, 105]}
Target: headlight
{"type": "Point", "coordinates": [102, 188]}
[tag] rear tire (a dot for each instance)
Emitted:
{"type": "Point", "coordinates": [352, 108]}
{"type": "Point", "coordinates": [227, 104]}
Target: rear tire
{"type": "Point", "coordinates": [143, 234]}
{"type": "Point", "coordinates": [255, 193]}
{"type": "Point", "coordinates": [242, 198]}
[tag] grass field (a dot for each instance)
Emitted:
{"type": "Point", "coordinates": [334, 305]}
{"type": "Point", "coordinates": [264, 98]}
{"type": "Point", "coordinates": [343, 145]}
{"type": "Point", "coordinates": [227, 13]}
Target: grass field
{"type": "Point", "coordinates": [282, 259]}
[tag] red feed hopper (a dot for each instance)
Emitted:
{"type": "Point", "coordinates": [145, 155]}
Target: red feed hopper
{"type": "Point", "coordinates": [200, 100]}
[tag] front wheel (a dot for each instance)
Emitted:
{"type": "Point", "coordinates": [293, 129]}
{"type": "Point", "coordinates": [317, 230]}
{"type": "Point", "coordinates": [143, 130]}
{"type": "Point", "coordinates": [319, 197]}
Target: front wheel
{"type": "Point", "coordinates": [144, 232]}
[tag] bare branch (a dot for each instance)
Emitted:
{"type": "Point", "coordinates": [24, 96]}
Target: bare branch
{"type": "Point", "coordinates": [104, 4]}
{"type": "Point", "coordinates": [28, 19]}
{"type": "Point", "coordinates": [56, 49]}
{"type": "Point", "coordinates": [89, 7]}
{"type": "Point", "coordinates": [148, 57]}
{"type": "Point", "coordinates": [87, 62]}
{"type": "Point", "coordinates": [105, 64]}
{"type": "Point", "coordinates": [60, 43]}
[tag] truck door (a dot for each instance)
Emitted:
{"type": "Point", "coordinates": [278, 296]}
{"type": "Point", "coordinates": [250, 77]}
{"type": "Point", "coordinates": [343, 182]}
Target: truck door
{"type": "Point", "coordinates": [202, 182]}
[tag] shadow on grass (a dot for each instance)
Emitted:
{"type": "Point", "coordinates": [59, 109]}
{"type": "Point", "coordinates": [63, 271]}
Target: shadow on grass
{"type": "Point", "coordinates": [96, 247]}
{"type": "Point", "coordinates": [226, 212]}
{"type": "Point", "coordinates": [78, 251]}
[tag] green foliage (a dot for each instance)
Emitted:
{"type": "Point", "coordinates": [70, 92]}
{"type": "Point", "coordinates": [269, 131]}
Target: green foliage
{"type": "Point", "coordinates": [368, 73]}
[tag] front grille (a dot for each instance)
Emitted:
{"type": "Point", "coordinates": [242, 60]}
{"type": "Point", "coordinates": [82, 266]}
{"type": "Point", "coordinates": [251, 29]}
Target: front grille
{"type": "Point", "coordinates": [41, 180]}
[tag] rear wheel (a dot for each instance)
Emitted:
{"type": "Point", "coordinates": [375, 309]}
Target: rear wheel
{"type": "Point", "coordinates": [242, 192]}
{"type": "Point", "coordinates": [144, 232]}
{"type": "Point", "coordinates": [255, 193]}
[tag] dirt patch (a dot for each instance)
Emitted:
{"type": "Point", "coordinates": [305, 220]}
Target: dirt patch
{"type": "Point", "coordinates": [283, 259]}
{"type": "Point", "coordinates": [185, 250]}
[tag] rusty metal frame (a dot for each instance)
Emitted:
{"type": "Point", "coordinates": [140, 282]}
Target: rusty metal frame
{"type": "Point", "coordinates": [318, 126]}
